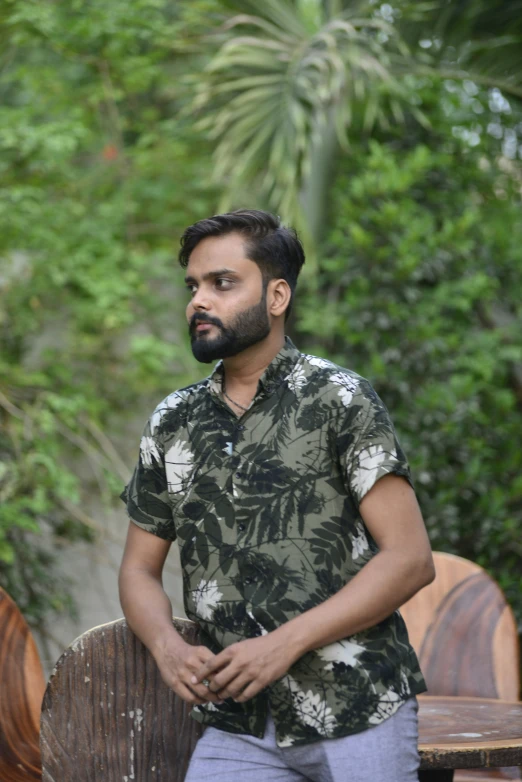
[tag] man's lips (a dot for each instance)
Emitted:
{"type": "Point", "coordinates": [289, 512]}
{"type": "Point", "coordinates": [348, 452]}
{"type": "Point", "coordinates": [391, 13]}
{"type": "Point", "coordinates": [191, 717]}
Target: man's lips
{"type": "Point", "coordinates": [201, 328]}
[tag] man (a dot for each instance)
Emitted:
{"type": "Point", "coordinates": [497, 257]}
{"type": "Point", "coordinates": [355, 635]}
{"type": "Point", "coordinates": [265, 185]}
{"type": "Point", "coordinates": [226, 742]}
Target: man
{"type": "Point", "coordinates": [282, 479]}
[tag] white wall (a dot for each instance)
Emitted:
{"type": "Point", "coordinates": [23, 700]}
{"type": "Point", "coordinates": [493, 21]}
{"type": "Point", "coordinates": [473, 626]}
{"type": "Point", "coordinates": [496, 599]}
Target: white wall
{"type": "Point", "coordinates": [93, 568]}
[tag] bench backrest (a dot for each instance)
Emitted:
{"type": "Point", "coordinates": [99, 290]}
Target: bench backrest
{"type": "Point", "coordinates": [107, 715]}
{"type": "Point", "coordinates": [464, 632]}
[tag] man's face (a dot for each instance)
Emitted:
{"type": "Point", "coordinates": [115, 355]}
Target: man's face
{"type": "Point", "coordinates": [228, 311]}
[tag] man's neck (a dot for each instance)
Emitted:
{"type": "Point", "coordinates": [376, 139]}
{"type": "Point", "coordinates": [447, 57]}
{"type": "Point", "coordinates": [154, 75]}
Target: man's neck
{"type": "Point", "coordinates": [242, 372]}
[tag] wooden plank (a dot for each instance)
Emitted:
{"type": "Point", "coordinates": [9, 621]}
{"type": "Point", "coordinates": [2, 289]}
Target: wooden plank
{"type": "Point", "coordinates": [464, 612]}
{"type": "Point", "coordinates": [469, 732]}
{"type": "Point", "coordinates": [107, 715]}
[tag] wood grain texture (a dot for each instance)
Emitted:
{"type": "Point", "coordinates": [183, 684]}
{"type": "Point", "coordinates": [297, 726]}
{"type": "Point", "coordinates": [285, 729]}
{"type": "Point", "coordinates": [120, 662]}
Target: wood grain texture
{"type": "Point", "coordinates": [464, 632]}
{"type": "Point", "coordinates": [22, 686]}
{"type": "Point", "coordinates": [465, 636]}
{"type": "Point", "coordinates": [484, 725]}
{"type": "Point", "coordinates": [107, 716]}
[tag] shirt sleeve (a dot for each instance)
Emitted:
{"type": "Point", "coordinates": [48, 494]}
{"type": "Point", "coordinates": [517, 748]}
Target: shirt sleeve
{"type": "Point", "coordinates": [146, 495]}
{"type": "Point", "coordinates": [367, 443]}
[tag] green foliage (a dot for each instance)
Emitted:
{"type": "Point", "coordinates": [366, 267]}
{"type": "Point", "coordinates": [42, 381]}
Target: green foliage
{"type": "Point", "coordinates": [99, 177]}
{"type": "Point", "coordinates": [102, 167]}
{"type": "Point", "coordinates": [285, 86]}
{"type": "Point", "coordinates": [424, 250]}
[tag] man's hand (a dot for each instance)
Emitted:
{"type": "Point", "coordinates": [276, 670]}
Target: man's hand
{"type": "Point", "coordinates": [243, 669]}
{"type": "Point", "coordinates": [177, 664]}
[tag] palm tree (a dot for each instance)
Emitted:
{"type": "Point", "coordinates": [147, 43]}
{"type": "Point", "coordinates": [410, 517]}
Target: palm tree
{"type": "Point", "coordinates": [289, 80]}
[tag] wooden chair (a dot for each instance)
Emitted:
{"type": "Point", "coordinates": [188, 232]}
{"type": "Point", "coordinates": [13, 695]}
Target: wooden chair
{"type": "Point", "coordinates": [107, 715]}
{"type": "Point", "coordinates": [22, 687]}
{"type": "Point", "coordinates": [465, 636]}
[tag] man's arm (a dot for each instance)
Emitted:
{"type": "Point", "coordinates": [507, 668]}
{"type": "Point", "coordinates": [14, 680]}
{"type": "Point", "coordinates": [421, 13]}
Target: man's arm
{"type": "Point", "coordinates": [402, 566]}
{"type": "Point", "coordinates": [148, 612]}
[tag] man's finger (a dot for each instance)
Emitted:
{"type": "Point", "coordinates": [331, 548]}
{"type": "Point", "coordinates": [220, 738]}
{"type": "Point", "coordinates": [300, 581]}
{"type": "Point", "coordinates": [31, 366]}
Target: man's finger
{"type": "Point", "coordinates": [202, 691]}
{"type": "Point", "coordinates": [223, 679]}
{"type": "Point", "coordinates": [250, 690]}
{"type": "Point", "coordinates": [235, 686]}
{"type": "Point", "coordinates": [205, 654]}
{"type": "Point", "coordinates": [208, 668]}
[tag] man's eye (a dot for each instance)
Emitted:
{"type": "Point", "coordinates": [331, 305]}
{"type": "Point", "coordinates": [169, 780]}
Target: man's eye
{"type": "Point", "coordinates": [222, 282]}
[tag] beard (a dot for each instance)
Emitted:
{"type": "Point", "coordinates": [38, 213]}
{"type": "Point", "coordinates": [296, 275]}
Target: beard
{"type": "Point", "coordinates": [248, 328]}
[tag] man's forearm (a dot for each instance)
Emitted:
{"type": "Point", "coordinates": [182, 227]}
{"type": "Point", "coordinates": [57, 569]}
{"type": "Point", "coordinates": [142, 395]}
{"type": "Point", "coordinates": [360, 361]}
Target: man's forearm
{"type": "Point", "coordinates": [147, 609]}
{"type": "Point", "coordinates": [383, 584]}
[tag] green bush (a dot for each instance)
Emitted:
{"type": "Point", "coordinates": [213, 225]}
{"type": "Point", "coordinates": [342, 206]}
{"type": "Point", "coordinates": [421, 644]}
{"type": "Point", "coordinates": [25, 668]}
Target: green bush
{"type": "Point", "coordinates": [99, 176]}
{"type": "Point", "coordinates": [420, 290]}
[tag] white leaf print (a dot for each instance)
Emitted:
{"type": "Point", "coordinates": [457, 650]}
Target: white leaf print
{"type": "Point", "coordinates": [388, 705]}
{"type": "Point", "coordinates": [297, 379]}
{"type": "Point", "coordinates": [178, 466]}
{"type": "Point", "coordinates": [149, 451]}
{"type": "Point", "coordinates": [170, 403]}
{"type": "Point", "coordinates": [343, 651]}
{"type": "Point", "coordinates": [366, 472]}
{"type": "Point", "coordinates": [311, 708]}
{"type": "Point", "coordinates": [347, 386]}
{"type": "Point", "coordinates": [317, 361]}
{"type": "Point", "coordinates": [359, 542]}
{"type": "Point", "coordinates": [208, 706]}
{"type": "Point", "coordinates": [206, 598]}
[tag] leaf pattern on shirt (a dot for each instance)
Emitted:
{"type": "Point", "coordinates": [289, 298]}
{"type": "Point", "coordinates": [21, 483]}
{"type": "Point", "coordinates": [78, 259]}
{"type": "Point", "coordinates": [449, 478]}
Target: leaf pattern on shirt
{"type": "Point", "coordinates": [265, 509]}
{"type": "Point", "coordinates": [178, 466]}
{"type": "Point", "coordinates": [206, 598]}
{"type": "Point", "coordinates": [311, 709]}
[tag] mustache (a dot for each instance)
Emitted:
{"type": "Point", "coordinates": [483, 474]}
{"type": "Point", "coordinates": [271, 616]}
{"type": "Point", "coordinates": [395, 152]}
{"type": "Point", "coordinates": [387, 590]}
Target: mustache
{"type": "Point", "coordinates": [198, 318]}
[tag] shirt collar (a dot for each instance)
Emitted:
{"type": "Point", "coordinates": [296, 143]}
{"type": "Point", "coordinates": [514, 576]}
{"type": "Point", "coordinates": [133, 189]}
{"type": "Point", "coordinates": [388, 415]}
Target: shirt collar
{"type": "Point", "coordinates": [278, 369]}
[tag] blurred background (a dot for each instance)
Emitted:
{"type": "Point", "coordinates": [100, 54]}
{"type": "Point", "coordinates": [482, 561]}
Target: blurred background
{"type": "Point", "coordinates": [389, 135]}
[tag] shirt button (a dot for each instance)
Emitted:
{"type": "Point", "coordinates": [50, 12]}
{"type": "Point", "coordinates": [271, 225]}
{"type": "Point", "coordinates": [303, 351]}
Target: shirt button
{"type": "Point", "coordinates": [238, 475]}
{"type": "Point", "coordinates": [240, 427]}
{"type": "Point", "coordinates": [248, 580]}
{"type": "Point", "coordinates": [241, 527]}
{"type": "Point", "coordinates": [269, 389]}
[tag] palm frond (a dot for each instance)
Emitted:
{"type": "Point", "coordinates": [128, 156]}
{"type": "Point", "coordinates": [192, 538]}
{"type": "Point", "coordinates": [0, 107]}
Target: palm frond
{"type": "Point", "coordinates": [274, 92]}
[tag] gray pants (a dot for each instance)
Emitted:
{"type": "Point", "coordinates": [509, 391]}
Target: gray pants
{"type": "Point", "coordinates": [386, 752]}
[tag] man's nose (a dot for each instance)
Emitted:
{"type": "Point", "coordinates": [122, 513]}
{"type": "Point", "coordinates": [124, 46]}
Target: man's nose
{"type": "Point", "coordinates": [200, 300]}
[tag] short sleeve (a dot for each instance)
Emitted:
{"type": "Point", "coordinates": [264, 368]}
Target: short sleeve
{"type": "Point", "coordinates": [367, 443]}
{"type": "Point", "coordinates": [146, 495]}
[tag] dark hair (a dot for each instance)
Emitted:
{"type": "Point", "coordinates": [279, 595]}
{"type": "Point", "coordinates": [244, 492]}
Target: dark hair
{"type": "Point", "coordinates": [277, 250]}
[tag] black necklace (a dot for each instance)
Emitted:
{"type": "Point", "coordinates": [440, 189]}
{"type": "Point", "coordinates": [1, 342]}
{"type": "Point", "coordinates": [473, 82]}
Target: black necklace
{"type": "Point", "coordinates": [231, 400]}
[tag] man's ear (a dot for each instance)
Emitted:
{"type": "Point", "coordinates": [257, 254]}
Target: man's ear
{"type": "Point", "coordinates": [278, 297]}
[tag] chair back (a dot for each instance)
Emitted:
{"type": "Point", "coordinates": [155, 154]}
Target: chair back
{"type": "Point", "coordinates": [22, 687]}
{"type": "Point", "coordinates": [464, 632]}
{"type": "Point", "coordinates": [107, 715]}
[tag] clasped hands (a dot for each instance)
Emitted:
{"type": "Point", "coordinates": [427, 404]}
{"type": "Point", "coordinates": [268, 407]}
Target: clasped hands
{"type": "Point", "coordinates": [240, 671]}
{"type": "Point", "coordinates": [243, 669]}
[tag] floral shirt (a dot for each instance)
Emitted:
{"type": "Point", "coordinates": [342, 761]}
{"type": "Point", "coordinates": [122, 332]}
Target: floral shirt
{"type": "Point", "coordinates": [265, 509]}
